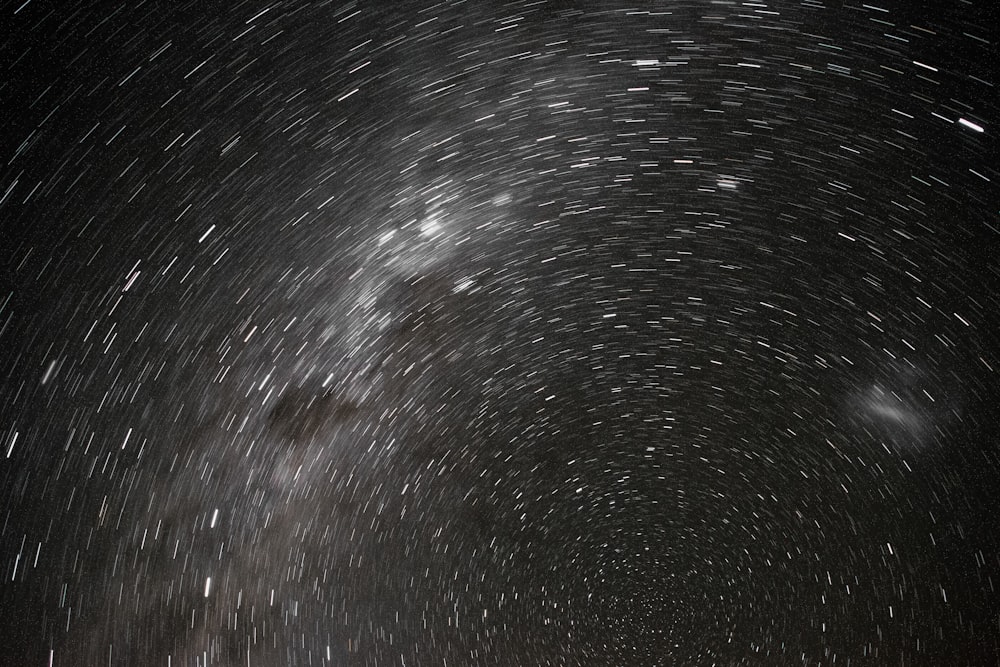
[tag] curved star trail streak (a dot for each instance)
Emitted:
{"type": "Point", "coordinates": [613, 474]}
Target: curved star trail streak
{"type": "Point", "coordinates": [523, 333]}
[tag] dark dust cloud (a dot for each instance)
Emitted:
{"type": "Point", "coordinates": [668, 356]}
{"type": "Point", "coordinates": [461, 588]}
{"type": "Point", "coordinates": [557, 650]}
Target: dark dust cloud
{"type": "Point", "coordinates": [482, 333]}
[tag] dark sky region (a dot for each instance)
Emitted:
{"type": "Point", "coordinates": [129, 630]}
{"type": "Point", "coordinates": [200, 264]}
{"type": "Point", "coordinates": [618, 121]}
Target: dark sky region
{"type": "Point", "coordinates": [499, 333]}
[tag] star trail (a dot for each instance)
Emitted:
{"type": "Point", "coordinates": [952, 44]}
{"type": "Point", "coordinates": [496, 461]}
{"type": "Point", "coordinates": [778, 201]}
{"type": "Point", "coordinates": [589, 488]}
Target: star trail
{"type": "Point", "coordinates": [499, 333]}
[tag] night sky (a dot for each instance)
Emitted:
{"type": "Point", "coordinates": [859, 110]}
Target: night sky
{"type": "Point", "coordinates": [499, 333]}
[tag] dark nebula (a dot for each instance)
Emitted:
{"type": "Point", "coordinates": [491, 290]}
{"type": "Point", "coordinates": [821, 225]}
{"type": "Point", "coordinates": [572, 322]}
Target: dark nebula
{"type": "Point", "coordinates": [499, 333]}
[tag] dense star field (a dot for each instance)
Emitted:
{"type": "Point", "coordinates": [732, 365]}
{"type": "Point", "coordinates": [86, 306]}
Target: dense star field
{"type": "Point", "coordinates": [479, 333]}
